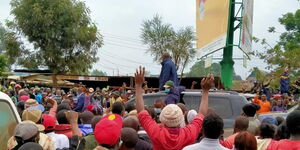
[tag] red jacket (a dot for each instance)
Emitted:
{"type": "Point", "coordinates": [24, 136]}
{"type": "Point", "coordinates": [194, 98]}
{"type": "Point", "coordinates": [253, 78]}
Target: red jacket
{"type": "Point", "coordinates": [164, 138]}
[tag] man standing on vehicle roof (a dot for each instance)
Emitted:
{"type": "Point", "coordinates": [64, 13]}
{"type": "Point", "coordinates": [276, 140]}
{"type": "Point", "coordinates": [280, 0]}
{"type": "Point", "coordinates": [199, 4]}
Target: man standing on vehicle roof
{"type": "Point", "coordinates": [168, 71]}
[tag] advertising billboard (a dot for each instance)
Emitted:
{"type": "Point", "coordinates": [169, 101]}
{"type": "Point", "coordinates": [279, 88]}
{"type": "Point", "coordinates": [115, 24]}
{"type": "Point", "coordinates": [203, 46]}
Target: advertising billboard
{"type": "Point", "coordinates": [211, 25]}
{"type": "Point", "coordinates": [246, 30]}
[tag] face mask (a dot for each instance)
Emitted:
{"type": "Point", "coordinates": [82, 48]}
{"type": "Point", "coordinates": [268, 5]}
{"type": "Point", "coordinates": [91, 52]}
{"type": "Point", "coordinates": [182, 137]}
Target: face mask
{"type": "Point", "coordinates": [157, 110]}
{"type": "Point", "coordinates": [167, 90]}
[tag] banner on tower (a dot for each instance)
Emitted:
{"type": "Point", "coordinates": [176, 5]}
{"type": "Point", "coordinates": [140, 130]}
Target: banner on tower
{"type": "Point", "coordinates": [211, 25]}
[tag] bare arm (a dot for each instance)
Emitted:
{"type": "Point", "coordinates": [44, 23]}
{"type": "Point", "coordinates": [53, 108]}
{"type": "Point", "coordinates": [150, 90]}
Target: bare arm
{"type": "Point", "coordinates": [72, 117]}
{"type": "Point", "coordinates": [139, 80]}
{"type": "Point", "coordinates": [206, 85]}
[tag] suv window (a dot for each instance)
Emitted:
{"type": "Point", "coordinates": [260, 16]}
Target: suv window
{"type": "Point", "coordinates": [8, 123]}
{"type": "Point", "coordinates": [221, 105]}
{"type": "Point", "coordinates": [149, 100]}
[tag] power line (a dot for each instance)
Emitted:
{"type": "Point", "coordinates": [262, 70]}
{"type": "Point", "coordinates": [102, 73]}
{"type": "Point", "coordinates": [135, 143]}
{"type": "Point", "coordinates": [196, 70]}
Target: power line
{"type": "Point", "coordinates": [123, 39]}
{"type": "Point", "coordinates": [121, 36]}
{"type": "Point", "coordinates": [117, 67]}
{"type": "Point", "coordinates": [132, 61]}
{"type": "Point", "coordinates": [119, 41]}
{"type": "Point", "coordinates": [119, 64]}
{"type": "Point", "coordinates": [131, 48]}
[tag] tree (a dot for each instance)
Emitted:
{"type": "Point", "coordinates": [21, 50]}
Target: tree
{"type": "Point", "coordinates": [63, 36]}
{"type": "Point", "coordinates": [3, 64]}
{"type": "Point", "coordinates": [199, 70]}
{"type": "Point", "coordinates": [2, 33]}
{"type": "Point", "coordinates": [161, 38]}
{"type": "Point", "coordinates": [97, 72]}
{"type": "Point", "coordinates": [285, 54]}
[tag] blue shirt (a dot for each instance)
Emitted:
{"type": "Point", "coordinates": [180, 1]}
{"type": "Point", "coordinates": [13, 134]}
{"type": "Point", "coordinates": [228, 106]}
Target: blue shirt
{"type": "Point", "coordinates": [39, 98]}
{"type": "Point", "coordinates": [85, 129]}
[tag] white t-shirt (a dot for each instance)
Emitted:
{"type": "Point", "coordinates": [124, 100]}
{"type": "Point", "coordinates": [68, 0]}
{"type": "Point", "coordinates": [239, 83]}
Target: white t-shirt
{"type": "Point", "coordinates": [206, 144]}
{"type": "Point", "coordinates": [61, 140]}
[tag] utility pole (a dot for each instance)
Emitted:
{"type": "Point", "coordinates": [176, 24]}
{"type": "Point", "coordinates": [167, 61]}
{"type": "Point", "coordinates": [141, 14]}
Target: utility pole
{"type": "Point", "coordinates": [227, 62]}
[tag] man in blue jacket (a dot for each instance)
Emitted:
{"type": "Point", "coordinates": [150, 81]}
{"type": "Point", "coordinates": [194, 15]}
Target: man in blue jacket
{"type": "Point", "coordinates": [284, 82]}
{"type": "Point", "coordinates": [168, 71]}
{"type": "Point", "coordinates": [80, 100]}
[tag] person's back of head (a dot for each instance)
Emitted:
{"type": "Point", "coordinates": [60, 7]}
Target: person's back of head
{"type": "Point", "coordinates": [241, 124]}
{"type": "Point", "coordinates": [165, 56]}
{"type": "Point", "coordinates": [129, 107]}
{"type": "Point", "coordinates": [63, 106]}
{"type": "Point", "coordinates": [118, 108]}
{"type": "Point", "coordinates": [282, 132]}
{"type": "Point", "coordinates": [250, 109]}
{"type": "Point", "coordinates": [86, 117]}
{"type": "Point", "coordinates": [131, 122]}
{"type": "Point", "coordinates": [212, 126]}
{"type": "Point", "coordinates": [280, 120]}
{"type": "Point", "coordinates": [171, 116]}
{"type": "Point", "coordinates": [245, 141]}
{"type": "Point", "coordinates": [129, 138]}
{"type": "Point", "coordinates": [293, 123]}
{"type": "Point", "coordinates": [95, 120]}
{"type": "Point", "coordinates": [266, 130]}
{"type": "Point", "coordinates": [151, 112]}
{"type": "Point", "coordinates": [31, 146]}
{"type": "Point", "coordinates": [183, 108]}
{"type": "Point", "coordinates": [61, 117]}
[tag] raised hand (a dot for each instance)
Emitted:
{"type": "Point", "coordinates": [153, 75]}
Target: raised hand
{"type": "Point", "coordinates": [72, 116]}
{"type": "Point", "coordinates": [207, 83]}
{"type": "Point", "coordinates": [139, 77]}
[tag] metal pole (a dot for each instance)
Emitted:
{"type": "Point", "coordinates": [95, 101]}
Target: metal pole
{"type": "Point", "coordinates": [227, 62]}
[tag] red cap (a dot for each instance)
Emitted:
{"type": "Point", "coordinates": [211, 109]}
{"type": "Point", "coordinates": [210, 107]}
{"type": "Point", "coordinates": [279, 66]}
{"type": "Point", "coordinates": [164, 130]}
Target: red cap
{"type": "Point", "coordinates": [49, 122]}
{"type": "Point", "coordinates": [90, 107]}
{"type": "Point", "coordinates": [108, 129]}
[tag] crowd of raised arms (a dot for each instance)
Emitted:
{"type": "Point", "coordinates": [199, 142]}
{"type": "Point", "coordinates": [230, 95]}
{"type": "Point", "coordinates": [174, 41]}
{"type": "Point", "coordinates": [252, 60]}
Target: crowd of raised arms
{"type": "Point", "coordinates": [88, 119]}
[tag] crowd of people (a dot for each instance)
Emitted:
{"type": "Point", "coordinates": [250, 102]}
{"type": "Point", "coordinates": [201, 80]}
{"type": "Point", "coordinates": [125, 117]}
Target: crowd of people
{"type": "Point", "coordinates": [88, 119]}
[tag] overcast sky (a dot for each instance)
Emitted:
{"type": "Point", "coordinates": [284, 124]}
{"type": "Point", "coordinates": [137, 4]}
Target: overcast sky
{"type": "Point", "coordinates": [120, 21]}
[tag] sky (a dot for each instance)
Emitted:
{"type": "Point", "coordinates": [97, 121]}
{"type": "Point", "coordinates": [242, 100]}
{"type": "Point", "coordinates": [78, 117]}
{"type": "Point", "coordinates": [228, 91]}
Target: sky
{"type": "Point", "coordinates": [119, 21]}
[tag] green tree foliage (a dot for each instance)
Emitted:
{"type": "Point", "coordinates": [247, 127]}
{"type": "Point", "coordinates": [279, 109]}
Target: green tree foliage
{"type": "Point", "coordinates": [285, 54]}
{"type": "Point", "coordinates": [4, 61]}
{"type": "Point", "coordinates": [2, 33]}
{"type": "Point", "coordinates": [161, 38]}
{"type": "Point", "coordinates": [199, 70]}
{"type": "Point", "coordinates": [97, 72]}
{"type": "Point", "coordinates": [3, 64]}
{"type": "Point", "coordinates": [63, 36]}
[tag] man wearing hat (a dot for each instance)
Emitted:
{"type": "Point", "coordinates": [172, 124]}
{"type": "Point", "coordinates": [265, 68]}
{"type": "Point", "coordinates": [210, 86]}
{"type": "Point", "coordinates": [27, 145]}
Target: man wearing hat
{"type": "Point", "coordinates": [172, 93]}
{"type": "Point", "coordinates": [169, 135]}
{"type": "Point", "coordinates": [115, 97]}
{"type": "Point", "coordinates": [108, 132]}
{"type": "Point", "coordinates": [61, 140]}
{"type": "Point", "coordinates": [28, 131]}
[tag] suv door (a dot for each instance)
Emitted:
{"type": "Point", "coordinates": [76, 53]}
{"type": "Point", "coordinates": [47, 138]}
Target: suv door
{"type": "Point", "coordinates": [9, 118]}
